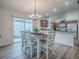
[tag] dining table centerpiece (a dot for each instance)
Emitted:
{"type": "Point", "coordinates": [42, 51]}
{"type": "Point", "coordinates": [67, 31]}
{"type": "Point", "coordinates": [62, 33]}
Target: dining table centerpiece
{"type": "Point", "coordinates": [36, 30]}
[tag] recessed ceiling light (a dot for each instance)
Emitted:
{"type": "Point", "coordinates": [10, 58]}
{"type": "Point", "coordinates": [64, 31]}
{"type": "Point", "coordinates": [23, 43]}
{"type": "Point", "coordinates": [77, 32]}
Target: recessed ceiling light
{"type": "Point", "coordinates": [47, 14]}
{"type": "Point", "coordinates": [66, 3]}
{"type": "Point", "coordinates": [54, 9]}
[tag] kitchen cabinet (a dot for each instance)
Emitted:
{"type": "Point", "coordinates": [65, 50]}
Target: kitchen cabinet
{"type": "Point", "coordinates": [44, 23]}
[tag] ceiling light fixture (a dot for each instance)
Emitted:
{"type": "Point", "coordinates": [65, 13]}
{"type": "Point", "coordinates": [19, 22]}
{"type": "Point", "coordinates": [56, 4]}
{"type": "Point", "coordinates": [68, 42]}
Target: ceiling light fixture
{"type": "Point", "coordinates": [66, 3]}
{"type": "Point", "coordinates": [35, 16]}
{"type": "Point", "coordinates": [47, 14]}
{"type": "Point", "coordinates": [54, 9]}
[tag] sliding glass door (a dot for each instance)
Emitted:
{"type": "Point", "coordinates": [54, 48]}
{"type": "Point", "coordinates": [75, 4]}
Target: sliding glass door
{"type": "Point", "coordinates": [19, 25]}
{"type": "Point", "coordinates": [28, 25]}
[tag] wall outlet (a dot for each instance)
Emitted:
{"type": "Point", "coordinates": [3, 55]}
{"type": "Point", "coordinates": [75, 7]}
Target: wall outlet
{"type": "Point", "coordinates": [0, 36]}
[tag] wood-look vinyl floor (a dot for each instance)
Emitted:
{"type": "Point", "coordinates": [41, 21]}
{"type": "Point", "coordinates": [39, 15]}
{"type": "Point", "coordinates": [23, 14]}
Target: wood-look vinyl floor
{"type": "Point", "coordinates": [61, 52]}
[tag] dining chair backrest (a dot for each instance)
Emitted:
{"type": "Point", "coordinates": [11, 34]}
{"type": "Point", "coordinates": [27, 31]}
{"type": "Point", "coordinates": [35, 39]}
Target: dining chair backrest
{"type": "Point", "coordinates": [27, 37]}
{"type": "Point", "coordinates": [23, 36]}
{"type": "Point", "coordinates": [33, 38]}
{"type": "Point", "coordinates": [51, 35]}
{"type": "Point", "coordinates": [23, 40]}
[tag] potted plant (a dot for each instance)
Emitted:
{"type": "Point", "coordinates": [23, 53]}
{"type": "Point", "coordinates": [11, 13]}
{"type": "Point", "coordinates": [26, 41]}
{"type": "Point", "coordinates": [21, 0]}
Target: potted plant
{"type": "Point", "coordinates": [36, 30]}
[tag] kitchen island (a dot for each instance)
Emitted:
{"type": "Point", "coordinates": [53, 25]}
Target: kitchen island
{"type": "Point", "coordinates": [66, 38]}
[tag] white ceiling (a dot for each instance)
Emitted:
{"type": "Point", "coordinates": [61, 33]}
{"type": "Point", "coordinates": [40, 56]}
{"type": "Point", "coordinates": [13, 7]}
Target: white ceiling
{"type": "Point", "coordinates": [48, 8]}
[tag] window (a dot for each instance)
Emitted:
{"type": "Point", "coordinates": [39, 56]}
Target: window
{"type": "Point", "coordinates": [21, 25]}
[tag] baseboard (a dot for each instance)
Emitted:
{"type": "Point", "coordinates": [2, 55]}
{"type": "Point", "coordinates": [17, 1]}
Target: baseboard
{"type": "Point", "coordinates": [9, 44]}
{"type": "Point", "coordinates": [5, 45]}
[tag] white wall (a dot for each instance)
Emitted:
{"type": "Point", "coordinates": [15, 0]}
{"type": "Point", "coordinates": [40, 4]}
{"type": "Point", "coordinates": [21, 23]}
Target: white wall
{"type": "Point", "coordinates": [36, 24]}
{"type": "Point", "coordinates": [6, 27]}
{"type": "Point", "coordinates": [78, 28]}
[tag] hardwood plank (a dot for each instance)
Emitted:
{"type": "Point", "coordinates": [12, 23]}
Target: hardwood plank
{"type": "Point", "coordinates": [61, 52]}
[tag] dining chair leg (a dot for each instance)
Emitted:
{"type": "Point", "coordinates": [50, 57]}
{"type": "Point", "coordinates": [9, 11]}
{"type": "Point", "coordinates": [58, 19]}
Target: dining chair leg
{"type": "Point", "coordinates": [53, 50]}
{"type": "Point", "coordinates": [25, 49]}
{"type": "Point", "coordinates": [22, 46]}
{"type": "Point", "coordinates": [38, 49]}
{"type": "Point", "coordinates": [47, 54]}
{"type": "Point", "coordinates": [31, 52]}
{"type": "Point", "coordinates": [38, 54]}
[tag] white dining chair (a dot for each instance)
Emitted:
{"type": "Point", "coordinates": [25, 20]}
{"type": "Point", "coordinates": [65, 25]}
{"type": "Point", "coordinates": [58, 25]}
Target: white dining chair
{"type": "Point", "coordinates": [26, 42]}
{"type": "Point", "coordinates": [30, 41]}
{"type": "Point", "coordinates": [36, 44]}
{"type": "Point", "coordinates": [47, 46]}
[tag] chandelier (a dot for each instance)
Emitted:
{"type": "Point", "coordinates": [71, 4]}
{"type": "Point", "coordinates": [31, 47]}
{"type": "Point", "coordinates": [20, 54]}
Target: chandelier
{"type": "Point", "coordinates": [35, 16]}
